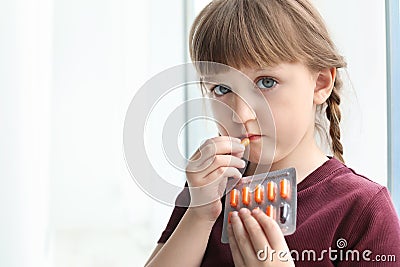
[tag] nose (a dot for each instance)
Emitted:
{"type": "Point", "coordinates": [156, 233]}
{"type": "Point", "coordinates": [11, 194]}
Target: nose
{"type": "Point", "coordinates": [243, 112]}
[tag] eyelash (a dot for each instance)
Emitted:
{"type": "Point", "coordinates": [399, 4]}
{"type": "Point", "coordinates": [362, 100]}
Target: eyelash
{"type": "Point", "coordinates": [212, 90]}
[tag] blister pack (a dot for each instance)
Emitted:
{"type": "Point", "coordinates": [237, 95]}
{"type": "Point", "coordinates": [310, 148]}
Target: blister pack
{"type": "Point", "coordinates": [275, 193]}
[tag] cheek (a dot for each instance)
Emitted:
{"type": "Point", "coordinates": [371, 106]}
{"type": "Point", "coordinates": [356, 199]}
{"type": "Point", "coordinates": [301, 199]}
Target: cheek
{"type": "Point", "coordinates": [292, 115]}
{"type": "Point", "coordinates": [220, 111]}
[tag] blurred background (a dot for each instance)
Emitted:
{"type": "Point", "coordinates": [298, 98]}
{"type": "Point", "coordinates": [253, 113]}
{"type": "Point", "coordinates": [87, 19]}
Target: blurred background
{"type": "Point", "coordinates": [68, 72]}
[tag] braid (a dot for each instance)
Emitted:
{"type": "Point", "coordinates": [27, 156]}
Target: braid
{"type": "Point", "coordinates": [334, 116]}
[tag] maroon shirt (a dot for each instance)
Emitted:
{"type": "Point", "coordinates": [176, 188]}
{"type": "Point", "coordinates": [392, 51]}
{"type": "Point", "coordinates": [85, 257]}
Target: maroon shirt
{"type": "Point", "coordinates": [337, 209]}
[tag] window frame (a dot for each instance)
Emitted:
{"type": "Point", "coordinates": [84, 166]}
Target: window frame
{"type": "Point", "coordinates": [393, 98]}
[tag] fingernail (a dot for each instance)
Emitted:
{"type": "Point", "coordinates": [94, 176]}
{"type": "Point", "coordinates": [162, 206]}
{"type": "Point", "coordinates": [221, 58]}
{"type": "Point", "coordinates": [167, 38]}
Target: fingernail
{"type": "Point", "coordinates": [234, 214]}
{"type": "Point", "coordinates": [256, 210]}
{"type": "Point", "coordinates": [236, 139]}
{"type": "Point", "coordinates": [244, 211]}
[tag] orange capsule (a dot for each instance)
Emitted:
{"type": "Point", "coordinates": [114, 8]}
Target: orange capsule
{"type": "Point", "coordinates": [246, 195]}
{"type": "Point", "coordinates": [245, 141]}
{"type": "Point", "coordinates": [259, 193]}
{"type": "Point", "coordinates": [284, 188]}
{"type": "Point", "coordinates": [270, 211]}
{"type": "Point", "coordinates": [229, 216]}
{"type": "Point", "coordinates": [234, 198]}
{"type": "Point", "coordinates": [271, 191]}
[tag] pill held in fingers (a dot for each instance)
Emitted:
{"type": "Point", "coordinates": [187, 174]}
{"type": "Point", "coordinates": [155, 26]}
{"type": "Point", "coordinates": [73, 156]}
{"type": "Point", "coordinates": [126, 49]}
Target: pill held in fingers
{"type": "Point", "coordinates": [245, 141]}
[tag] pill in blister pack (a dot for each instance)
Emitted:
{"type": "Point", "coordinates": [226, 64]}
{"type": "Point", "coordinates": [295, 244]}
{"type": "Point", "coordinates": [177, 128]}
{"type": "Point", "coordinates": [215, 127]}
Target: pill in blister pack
{"type": "Point", "coordinates": [275, 193]}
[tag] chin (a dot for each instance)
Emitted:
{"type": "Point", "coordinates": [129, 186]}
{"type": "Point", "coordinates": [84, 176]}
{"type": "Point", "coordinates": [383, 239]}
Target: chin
{"type": "Point", "coordinates": [264, 162]}
{"type": "Point", "coordinates": [267, 158]}
{"type": "Point", "coordinates": [263, 156]}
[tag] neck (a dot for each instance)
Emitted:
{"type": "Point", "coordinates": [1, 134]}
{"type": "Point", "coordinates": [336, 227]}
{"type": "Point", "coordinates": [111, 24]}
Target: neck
{"type": "Point", "coordinates": [304, 165]}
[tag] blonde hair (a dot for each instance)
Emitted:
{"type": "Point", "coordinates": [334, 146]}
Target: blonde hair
{"type": "Point", "coordinates": [259, 33]}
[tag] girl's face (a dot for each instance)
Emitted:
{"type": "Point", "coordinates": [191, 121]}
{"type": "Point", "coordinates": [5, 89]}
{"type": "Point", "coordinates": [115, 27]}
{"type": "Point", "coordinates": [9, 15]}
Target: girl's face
{"type": "Point", "coordinates": [274, 106]}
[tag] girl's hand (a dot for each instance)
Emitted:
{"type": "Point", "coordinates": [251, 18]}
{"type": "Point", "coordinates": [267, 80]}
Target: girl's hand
{"type": "Point", "coordinates": [256, 240]}
{"type": "Point", "coordinates": [207, 172]}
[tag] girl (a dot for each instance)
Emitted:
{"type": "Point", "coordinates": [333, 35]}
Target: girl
{"type": "Point", "coordinates": [343, 219]}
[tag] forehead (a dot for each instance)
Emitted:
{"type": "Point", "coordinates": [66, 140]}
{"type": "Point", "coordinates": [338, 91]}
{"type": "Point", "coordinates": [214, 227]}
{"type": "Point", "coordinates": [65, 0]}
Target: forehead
{"type": "Point", "coordinates": [244, 73]}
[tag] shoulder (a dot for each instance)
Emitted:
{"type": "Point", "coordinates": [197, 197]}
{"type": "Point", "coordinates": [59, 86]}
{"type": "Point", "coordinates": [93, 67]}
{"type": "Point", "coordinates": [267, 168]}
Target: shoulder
{"type": "Point", "coordinates": [354, 194]}
{"type": "Point", "coordinates": [369, 214]}
{"type": "Point", "coordinates": [351, 183]}
{"type": "Point", "coordinates": [334, 179]}
{"type": "Point", "coordinates": [372, 200]}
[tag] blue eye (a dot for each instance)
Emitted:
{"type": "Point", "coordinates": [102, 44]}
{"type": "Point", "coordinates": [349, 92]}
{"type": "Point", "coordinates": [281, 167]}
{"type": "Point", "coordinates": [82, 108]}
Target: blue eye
{"type": "Point", "coordinates": [266, 83]}
{"type": "Point", "coordinates": [220, 90]}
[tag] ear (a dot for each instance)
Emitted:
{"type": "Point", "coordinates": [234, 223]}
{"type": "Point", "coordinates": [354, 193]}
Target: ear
{"type": "Point", "coordinates": [324, 85]}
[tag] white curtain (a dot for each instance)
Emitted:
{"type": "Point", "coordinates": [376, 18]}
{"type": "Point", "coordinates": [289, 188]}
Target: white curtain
{"type": "Point", "coordinates": [68, 71]}
{"type": "Point", "coordinates": [25, 90]}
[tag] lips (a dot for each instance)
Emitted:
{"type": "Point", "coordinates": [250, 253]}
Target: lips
{"type": "Point", "coordinates": [254, 137]}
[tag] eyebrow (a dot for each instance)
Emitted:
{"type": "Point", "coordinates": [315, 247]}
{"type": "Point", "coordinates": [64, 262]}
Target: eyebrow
{"type": "Point", "coordinates": [265, 69]}
{"type": "Point", "coordinates": [271, 69]}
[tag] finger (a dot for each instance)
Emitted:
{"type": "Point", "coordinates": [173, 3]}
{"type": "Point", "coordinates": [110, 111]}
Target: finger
{"type": "Point", "coordinates": [226, 161]}
{"type": "Point", "coordinates": [254, 230]}
{"type": "Point", "coordinates": [220, 148]}
{"type": "Point", "coordinates": [213, 141]}
{"type": "Point", "coordinates": [216, 179]}
{"type": "Point", "coordinates": [208, 157]}
{"type": "Point", "coordinates": [238, 154]}
{"type": "Point", "coordinates": [205, 194]}
{"type": "Point", "coordinates": [223, 172]}
{"type": "Point", "coordinates": [222, 161]}
{"type": "Point", "coordinates": [220, 139]}
{"type": "Point", "coordinates": [272, 231]}
{"type": "Point", "coordinates": [242, 239]}
{"type": "Point", "coordinates": [236, 254]}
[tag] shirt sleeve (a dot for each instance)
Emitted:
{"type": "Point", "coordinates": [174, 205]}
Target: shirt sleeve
{"type": "Point", "coordinates": [181, 204]}
{"type": "Point", "coordinates": [376, 234]}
